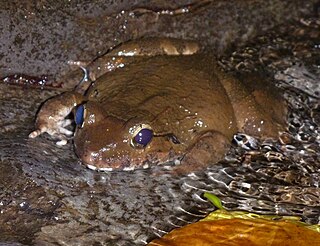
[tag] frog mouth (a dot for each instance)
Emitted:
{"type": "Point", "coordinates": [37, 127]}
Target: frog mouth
{"type": "Point", "coordinates": [125, 163]}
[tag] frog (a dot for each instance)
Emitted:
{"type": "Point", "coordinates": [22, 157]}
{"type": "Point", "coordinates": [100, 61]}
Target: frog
{"type": "Point", "coordinates": [153, 101]}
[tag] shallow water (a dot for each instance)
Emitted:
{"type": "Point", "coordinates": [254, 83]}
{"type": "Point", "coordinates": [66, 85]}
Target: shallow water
{"type": "Point", "coordinates": [284, 176]}
{"type": "Point", "coordinates": [49, 198]}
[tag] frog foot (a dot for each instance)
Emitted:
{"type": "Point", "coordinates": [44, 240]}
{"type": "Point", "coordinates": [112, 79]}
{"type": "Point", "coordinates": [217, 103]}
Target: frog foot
{"type": "Point", "coordinates": [52, 117]}
{"type": "Point", "coordinates": [54, 127]}
{"type": "Point", "coordinates": [209, 148]}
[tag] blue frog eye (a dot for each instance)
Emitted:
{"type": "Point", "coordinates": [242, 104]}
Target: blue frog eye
{"type": "Point", "coordinates": [143, 137]}
{"type": "Point", "coordinates": [79, 115]}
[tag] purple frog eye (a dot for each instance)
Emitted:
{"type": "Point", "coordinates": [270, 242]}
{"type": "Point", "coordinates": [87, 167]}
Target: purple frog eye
{"type": "Point", "coordinates": [79, 115]}
{"type": "Point", "coordinates": [142, 137]}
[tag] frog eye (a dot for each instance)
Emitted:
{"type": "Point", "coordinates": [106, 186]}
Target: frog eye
{"type": "Point", "coordinates": [142, 136]}
{"type": "Point", "coordinates": [79, 115]}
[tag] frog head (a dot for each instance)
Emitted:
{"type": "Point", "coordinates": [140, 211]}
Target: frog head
{"type": "Point", "coordinates": [107, 143]}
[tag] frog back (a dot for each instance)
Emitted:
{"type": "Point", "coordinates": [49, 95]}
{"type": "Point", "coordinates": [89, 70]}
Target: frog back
{"type": "Point", "coordinates": [179, 95]}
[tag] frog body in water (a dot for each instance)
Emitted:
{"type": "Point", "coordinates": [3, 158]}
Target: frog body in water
{"type": "Point", "coordinates": [160, 108]}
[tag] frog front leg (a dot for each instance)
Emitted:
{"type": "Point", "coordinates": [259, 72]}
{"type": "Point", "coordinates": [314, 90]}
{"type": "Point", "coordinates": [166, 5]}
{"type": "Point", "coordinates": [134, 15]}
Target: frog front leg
{"type": "Point", "coordinates": [209, 148]}
{"type": "Point", "coordinates": [52, 116]}
{"type": "Point", "coordinates": [125, 54]}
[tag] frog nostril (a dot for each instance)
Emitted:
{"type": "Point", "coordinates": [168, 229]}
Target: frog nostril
{"type": "Point", "coordinates": [96, 93]}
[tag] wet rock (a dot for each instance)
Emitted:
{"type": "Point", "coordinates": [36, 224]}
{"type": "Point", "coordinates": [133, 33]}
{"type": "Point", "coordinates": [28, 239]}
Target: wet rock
{"type": "Point", "coordinates": [38, 38]}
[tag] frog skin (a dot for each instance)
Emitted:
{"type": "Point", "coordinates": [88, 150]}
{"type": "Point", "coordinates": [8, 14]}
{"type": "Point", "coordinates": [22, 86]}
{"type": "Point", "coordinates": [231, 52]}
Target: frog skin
{"type": "Point", "coordinates": [165, 104]}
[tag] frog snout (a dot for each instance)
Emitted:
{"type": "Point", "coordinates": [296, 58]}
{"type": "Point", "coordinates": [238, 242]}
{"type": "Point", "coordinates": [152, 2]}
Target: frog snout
{"type": "Point", "coordinates": [104, 152]}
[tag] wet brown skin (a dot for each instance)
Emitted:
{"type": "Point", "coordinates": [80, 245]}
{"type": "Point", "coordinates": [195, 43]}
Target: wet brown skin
{"type": "Point", "coordinates": [188, 97]}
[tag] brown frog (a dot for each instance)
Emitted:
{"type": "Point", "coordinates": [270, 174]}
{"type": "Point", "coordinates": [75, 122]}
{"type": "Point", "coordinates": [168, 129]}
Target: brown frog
{"type": "Point", "coordinates": [161, 102]}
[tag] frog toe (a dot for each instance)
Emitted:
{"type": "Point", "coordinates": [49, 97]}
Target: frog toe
{"type": "Point", "coordinates": [62, 142]}
{"type": "Point", "coordinates": [36, 133]}
{"type": "Point", "coordinates": [65, 131]}
{"type": "Point", "coordinates": [66, 122]}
